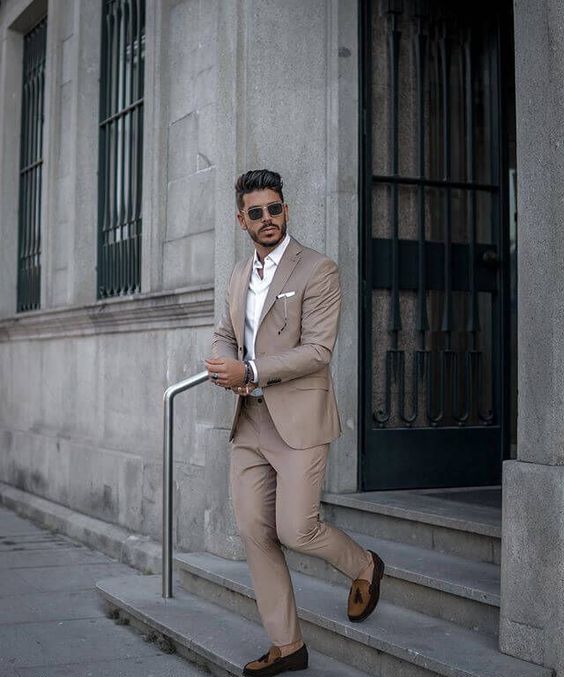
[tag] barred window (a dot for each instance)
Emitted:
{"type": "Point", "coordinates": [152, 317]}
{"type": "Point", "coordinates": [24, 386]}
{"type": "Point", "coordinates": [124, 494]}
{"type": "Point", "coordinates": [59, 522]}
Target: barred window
{"type": "Point", "coordinates": [120, 168]}
{"type": "Point", "coordinates": [31, 164]}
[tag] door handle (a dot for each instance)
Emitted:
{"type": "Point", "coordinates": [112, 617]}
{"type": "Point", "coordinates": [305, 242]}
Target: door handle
{"type": "Point", "coordinates": [490, 259]}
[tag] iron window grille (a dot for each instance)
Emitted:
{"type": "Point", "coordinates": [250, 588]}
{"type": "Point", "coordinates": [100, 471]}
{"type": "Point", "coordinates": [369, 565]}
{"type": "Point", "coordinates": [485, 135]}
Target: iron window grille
{"type": "Point", "coordinates": [120, 169]}
{"type": "Point", "coordinates": [31, 164]}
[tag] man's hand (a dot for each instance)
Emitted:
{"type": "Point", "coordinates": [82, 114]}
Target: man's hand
{"type": "Point", "coordinates": [230, 373]}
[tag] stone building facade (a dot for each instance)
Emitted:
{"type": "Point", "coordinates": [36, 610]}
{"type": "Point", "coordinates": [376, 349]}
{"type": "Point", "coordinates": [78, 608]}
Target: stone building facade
{"type": "Point", "coordinates": [236, 84]}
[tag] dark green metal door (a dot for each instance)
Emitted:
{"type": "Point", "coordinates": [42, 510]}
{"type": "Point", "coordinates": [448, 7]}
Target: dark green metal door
{"type": "Point", "coordinates": [434, 171]}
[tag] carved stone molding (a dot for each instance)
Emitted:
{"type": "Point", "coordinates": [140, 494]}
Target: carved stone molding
{"type": "Point", "coordinates": [175, 309]}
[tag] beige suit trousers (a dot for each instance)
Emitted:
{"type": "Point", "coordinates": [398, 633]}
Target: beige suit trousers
{"type": "Point", "coordinates": [275, 491]}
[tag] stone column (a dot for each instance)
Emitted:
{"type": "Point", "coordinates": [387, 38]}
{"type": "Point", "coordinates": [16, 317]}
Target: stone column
{"type": "Point", "coordinates": [84, 71]}
{"type": "Point", "coordinates": [220, 530]}
{"type": "Point", "coordinates": [342, 229]}
{"type": "Point", "coordinates": [71, 155]}
{"type": "Point", "coordinates": [532, 569]}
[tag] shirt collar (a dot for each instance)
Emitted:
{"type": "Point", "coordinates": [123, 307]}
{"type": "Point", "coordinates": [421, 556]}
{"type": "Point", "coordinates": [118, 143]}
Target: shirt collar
{"type": "Point", "coordinates": [275, 255]}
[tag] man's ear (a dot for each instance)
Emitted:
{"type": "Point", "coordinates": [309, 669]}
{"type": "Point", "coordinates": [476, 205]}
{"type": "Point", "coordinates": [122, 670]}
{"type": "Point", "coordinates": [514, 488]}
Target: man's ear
{"type": "Point", "coordinates": [241, 220]}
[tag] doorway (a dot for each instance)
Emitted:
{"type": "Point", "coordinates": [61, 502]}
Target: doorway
{"type": "Point", "coordinates": [437, 241]}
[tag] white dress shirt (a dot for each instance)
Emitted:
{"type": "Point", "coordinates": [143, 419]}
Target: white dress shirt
{"type": "Point", "coordinates": [256, 296]}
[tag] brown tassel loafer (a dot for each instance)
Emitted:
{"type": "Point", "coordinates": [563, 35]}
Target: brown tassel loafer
{"type": "Point", "coordinates": [272, 662]}
{"type": "Point", "coordinates": [363, 595]}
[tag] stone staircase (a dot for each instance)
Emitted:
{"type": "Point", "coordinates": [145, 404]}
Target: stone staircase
{"type": "Point", "coordinates": [438, 613]}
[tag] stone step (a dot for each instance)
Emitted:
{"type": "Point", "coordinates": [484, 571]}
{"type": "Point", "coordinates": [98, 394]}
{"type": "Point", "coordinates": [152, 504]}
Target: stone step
{"type": "Point", "coordinates": [421, 517]}
{"type": "Point", "coordinates": [202, 632]}
{"type": "Point", "coordinates": [393, 641]}
{"type": "Point", "coordinates": [438, 584]}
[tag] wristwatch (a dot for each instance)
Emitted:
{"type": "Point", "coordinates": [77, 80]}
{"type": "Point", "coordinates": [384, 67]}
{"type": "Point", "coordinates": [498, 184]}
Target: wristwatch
{"type": "Point", "coordinates": [250, 377]}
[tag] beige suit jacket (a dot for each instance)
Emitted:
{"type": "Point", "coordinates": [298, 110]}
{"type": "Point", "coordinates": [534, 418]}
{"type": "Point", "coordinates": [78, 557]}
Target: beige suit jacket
{"type": "Point", "coordinates": [293, 362]}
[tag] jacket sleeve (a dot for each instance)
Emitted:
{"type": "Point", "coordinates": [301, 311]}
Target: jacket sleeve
{"type": "Point", "coordinates": [321, 307]}
{"type": "Point", "coordinates": [224, 343]}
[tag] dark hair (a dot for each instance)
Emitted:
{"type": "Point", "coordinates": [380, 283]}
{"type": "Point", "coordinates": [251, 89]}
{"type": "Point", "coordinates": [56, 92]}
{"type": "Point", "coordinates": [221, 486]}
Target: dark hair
{"type": "Point", "coordinates": [257, 179]}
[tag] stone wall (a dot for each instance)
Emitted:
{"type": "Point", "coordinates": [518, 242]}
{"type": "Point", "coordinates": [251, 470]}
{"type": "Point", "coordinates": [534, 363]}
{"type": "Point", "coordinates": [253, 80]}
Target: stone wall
{"type": "Point", "coordinates": [229, 85]}
{"type": "Point", "coordinates": [82, 380]}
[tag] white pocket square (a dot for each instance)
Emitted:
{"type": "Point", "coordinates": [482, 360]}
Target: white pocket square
{"type": "Point", "coordinates": [285, 294]}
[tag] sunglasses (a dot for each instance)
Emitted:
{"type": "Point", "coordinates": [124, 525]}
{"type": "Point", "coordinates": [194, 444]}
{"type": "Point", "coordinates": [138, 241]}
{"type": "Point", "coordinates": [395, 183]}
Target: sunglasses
{"type": "Point", "coordinates": [255, 213]}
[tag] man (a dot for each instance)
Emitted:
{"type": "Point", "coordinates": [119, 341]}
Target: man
{"type": "Point", "coordinates": [272, 347]}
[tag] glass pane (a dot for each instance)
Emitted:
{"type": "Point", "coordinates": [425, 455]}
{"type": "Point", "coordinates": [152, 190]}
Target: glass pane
{"type": "Point", "coordinates": [432, 80]}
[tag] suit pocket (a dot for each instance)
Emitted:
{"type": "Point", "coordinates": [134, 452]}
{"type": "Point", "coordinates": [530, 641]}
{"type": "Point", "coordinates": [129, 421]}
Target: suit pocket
{"type": "Point", "coordinates": [312, 382]}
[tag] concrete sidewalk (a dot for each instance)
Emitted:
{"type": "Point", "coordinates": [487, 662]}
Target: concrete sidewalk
{"type": "Point", "coordinates": [52, 621]}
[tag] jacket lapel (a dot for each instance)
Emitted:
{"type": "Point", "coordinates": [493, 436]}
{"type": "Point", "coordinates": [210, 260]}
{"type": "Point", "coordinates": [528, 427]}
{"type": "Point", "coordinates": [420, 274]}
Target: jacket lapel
{"type": "Point", "coordinates": [283, 271]}
{"type": "Point", "coordinates": [240, 301]}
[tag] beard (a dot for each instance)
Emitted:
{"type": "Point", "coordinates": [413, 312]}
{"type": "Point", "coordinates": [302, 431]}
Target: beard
{"type": "Point", "coordinates": [269, 240]}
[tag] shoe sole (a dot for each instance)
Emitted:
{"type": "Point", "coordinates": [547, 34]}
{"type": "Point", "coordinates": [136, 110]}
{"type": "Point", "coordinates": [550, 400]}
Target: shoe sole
{"type": "Point", "coordinates": [374, 601]}
{"type": "Point", "coordinates": [272, 669]}
{"type": "Point", "coordinates": [266, 674]}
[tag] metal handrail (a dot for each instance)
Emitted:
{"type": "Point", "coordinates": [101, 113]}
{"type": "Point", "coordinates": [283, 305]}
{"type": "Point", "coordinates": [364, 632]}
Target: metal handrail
{"type": "Point", "coordinates": [169, 395]}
